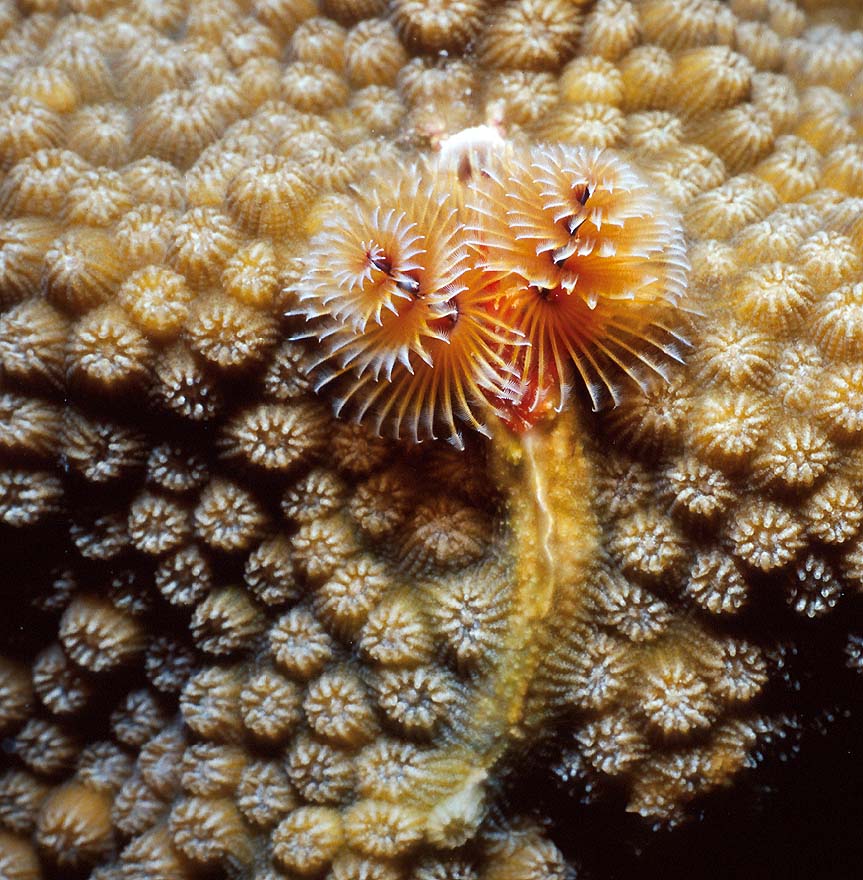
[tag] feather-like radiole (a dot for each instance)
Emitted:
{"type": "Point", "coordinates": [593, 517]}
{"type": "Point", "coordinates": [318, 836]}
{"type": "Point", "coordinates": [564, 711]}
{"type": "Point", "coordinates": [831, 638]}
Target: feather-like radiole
{"type": "Point", "coordinates": [486, 284]}
{"type": "Point", "coordinates": [409, 331]}
{"type": "Point", "coordinates": [592, 263]}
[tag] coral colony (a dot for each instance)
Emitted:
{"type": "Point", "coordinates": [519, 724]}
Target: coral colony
{"type": "Point", "coordinates": [404, 399]}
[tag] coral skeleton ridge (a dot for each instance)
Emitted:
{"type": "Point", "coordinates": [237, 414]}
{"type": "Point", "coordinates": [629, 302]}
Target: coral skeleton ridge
{"type": "Point", "coordinates": [400, 397]}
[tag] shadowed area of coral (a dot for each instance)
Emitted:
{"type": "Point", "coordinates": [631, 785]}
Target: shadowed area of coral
{"type": "Point", "coordinates": [244, 637]}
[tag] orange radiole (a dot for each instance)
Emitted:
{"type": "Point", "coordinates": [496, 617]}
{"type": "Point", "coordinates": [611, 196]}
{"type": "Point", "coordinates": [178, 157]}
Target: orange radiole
{"type": "Point", "coordinates": [487, 282]}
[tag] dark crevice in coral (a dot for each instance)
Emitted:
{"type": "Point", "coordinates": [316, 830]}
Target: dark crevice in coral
{"type": "Point", "coordinates": [796, 814]}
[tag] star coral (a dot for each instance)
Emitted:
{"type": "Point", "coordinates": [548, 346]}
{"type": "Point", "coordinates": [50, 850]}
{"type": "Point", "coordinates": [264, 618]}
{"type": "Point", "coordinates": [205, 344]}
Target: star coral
{"type": "Point", "coordinates": [244, 638]}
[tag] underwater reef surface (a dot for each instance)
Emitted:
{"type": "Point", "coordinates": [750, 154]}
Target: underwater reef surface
{"type": "Point", "coordinates": [613, 252]}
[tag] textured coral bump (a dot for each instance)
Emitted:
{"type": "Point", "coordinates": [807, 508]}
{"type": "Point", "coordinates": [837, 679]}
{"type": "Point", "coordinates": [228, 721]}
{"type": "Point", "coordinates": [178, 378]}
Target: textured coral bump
{"type": "Point", "coordinates": [481, 285]}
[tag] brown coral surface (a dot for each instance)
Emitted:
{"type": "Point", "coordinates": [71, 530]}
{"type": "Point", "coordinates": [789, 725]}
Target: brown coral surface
{"type": "Point", "coordinates": [242, 637]}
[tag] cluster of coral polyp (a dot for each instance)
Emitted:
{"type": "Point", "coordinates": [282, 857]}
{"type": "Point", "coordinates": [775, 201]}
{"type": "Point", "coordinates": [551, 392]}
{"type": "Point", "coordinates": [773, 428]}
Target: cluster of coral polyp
{"type": "Point", "coordinates": [242, 637]}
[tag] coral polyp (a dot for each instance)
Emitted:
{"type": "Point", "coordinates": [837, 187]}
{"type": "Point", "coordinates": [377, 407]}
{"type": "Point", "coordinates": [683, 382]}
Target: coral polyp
{"type": "Point", "coordinates": [476, 285]}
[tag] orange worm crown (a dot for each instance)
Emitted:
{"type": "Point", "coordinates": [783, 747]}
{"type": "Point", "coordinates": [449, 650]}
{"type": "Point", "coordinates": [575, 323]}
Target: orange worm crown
{"type": "Point", "coordinates": [484, 284]}
{"type": "Point", "coordinates": [591, 262]}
